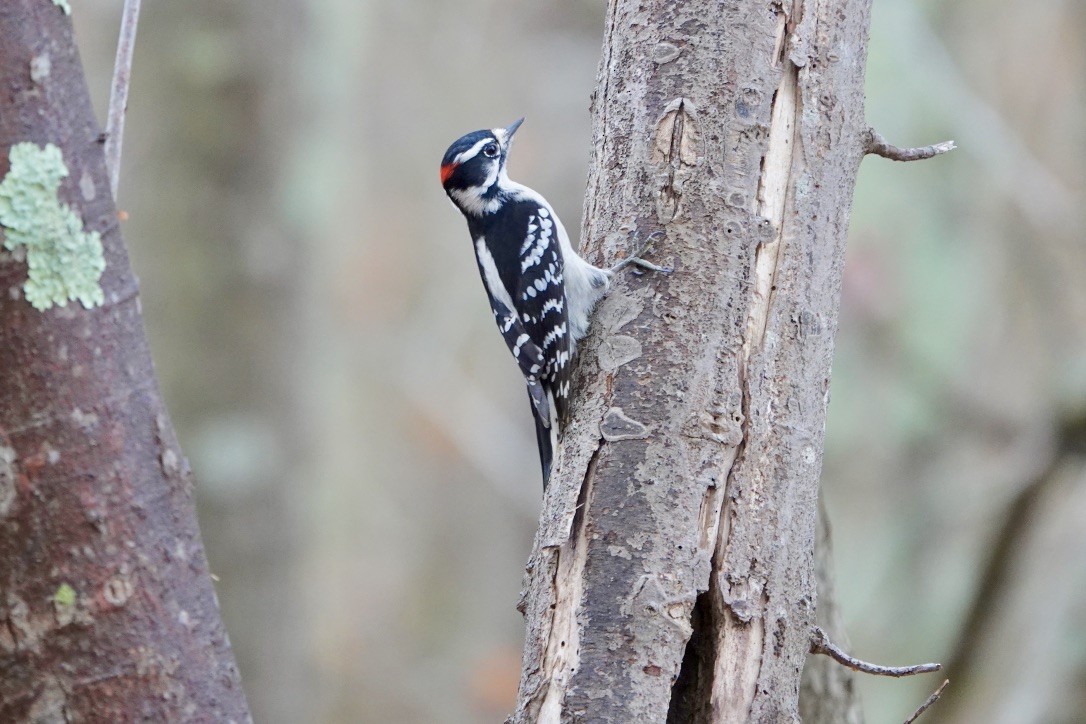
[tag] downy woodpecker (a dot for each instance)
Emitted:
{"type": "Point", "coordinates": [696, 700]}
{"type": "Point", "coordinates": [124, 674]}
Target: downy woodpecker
{"type": "Point", "coordinates": [541, 291]}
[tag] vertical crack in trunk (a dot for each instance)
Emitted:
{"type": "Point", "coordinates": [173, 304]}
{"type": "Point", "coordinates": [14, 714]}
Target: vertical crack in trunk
{"type": "Point", "coordinates": [732, 684]}
{"type": "Point", "coordinates": [772, 198]}
{"type": "Point", "coordinates": [740, 634]}
{"type": "Point", "coordinates": [691, 690]}
{"type": "Point", "coordinates": [675, 152]}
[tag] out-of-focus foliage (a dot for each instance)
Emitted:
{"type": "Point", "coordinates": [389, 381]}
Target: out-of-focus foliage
{"type": "Point", "coordinates": [368, 487]}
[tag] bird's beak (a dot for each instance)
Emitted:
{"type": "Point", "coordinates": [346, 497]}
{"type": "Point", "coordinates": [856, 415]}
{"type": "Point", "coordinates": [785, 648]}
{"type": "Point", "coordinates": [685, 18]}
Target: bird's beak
{"type": "Point", "coordinates": [511, 129]}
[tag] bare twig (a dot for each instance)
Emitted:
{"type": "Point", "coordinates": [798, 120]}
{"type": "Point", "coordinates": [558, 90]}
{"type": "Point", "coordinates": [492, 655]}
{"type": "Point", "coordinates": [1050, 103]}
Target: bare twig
{"type": "Point", "coordinates": [118, 93]}
{"type": "Point", "coordinates": [879, 146]}
{"type": "Point", "coordinates": [821, 644]}
{"type": "Point", "coordinates": [931, 700]}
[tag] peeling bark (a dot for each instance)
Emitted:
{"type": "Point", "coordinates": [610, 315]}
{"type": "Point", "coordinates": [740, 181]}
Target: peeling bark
{"type": "Point", "coordinates": [672, 574]}
{"type": "Point", "coordinates": [107, 612]}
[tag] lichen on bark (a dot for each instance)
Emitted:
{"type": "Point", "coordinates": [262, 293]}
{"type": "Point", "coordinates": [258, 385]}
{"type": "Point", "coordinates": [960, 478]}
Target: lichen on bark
{"type": "Point", "coordinates": [64, 261]}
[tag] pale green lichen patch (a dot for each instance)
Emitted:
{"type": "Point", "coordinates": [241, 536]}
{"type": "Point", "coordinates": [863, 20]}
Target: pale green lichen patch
{"type": "Point", "coordinates": [65, 596]}
{"type": "Point", "coordinates": [63, 5]}
{"type": "Point", "coordinates": [65, 262]}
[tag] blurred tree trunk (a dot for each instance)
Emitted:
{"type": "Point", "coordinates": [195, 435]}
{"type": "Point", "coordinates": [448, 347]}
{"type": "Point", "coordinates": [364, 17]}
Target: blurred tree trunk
{"type": "Point", "coordinates": [672, 575]}
{"type": "Point", "coordinates": [107, 607]}
{"type": "Point", "coordinates": [828, 692]}
{"type": "Point", "coordinates": [251, 421]}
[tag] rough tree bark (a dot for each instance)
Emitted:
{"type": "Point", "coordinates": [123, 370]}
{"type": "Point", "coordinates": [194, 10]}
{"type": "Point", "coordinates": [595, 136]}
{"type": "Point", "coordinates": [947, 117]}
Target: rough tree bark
{"type": "Point", "coordinates": [107, 612]}
{"type": "Point", "coordinates": [672, 574]}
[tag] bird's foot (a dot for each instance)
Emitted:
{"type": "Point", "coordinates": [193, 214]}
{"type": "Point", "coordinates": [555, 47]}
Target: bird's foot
{"type": "Point", "coordinates": [636, 260]}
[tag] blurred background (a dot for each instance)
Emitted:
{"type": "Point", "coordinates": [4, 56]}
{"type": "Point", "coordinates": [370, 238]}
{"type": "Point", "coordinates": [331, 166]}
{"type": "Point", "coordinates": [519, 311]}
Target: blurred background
{"type": "Point", "coordinates": [368, 487]}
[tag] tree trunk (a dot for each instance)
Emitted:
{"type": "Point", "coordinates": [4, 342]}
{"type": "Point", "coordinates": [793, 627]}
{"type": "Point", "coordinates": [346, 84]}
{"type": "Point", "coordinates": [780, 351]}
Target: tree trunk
{"type": "Point", "coordinates": [828, 692]}
{"type": "Point", "coordinates": [682, 508]}
{"type": "Point", "coordinates": [107, 607]}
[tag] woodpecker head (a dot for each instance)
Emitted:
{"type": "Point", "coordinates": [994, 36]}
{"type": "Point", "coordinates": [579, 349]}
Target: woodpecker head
{"type": "Point", "coordinates": [473, 170]}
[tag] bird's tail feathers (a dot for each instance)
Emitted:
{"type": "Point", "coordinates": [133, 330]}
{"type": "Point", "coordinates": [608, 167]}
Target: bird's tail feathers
{"type": "Point", "coordinates": [546, 431]}
{"type": "Point", "coordinates": [542, 402]}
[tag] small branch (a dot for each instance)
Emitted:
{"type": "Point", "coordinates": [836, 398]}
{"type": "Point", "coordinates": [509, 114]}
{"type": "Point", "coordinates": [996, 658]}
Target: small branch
{"type": "Point", "coordinates": [118, 93]}
{"type": "Point", "coordinates": [931, 700]}
{"type": "Point", "coordinates": [878, 146]}
{"type": "Point", "coordinates": [821, 644]}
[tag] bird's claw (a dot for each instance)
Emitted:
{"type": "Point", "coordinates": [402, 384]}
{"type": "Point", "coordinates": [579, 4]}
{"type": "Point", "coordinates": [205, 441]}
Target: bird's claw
{"type": "Point", "coordinates": [636, 260]}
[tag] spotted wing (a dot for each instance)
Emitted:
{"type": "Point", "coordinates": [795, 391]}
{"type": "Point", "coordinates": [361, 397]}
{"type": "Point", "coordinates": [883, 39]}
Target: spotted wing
{"type": "Point", "coordinates": [541, 302]}
{"type": "Point", "coordinates": [529, 357]}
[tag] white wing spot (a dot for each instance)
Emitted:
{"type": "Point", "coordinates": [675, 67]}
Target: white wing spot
{"type": "Point", "coordinates": [520, 343]}
{"type": "Point", "coordinates": [535, 257]}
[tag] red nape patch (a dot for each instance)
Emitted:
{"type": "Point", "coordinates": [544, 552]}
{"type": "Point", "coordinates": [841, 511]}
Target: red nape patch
{"type": "Point", "coordinates": [447, 171]}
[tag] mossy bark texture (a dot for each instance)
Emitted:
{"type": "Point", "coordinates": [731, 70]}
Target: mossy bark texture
{"type": "Point", "coordinates": [672, 576]}
{"type": "Point", "coordinates": [107, 612]}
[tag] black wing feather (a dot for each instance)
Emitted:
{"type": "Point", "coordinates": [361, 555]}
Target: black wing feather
{"type": "Point", "coordinates": [523, 240]}
{"type": "Point", "coordinates": [528, 355]}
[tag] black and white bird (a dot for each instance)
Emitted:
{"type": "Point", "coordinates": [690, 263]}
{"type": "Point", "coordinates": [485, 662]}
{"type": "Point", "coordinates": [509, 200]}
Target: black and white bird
{"type": "Point", "coordinates": [541, 291]}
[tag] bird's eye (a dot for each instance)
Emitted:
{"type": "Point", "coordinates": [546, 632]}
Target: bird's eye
{"type": "Point", "coordinates": [490, 150]}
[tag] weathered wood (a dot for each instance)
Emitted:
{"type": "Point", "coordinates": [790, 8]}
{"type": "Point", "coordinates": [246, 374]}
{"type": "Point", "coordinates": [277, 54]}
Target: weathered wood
{"type": "Point", "coordinates": [107, 612]}
{"type": "Point", "coordinates": [685, 489]}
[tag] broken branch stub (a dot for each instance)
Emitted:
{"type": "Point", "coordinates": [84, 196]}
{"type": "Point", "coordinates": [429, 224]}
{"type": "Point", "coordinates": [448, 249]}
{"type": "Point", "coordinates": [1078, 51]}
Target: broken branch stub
{"type": "Point", "coordinates": [879, 146]}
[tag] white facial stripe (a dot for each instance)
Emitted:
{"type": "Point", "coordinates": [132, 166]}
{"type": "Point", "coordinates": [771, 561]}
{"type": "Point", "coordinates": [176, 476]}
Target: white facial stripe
{"type": "Point", "coordinates": [471, 200]}
{"type": "Point", "coordinates": [471, 152]}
